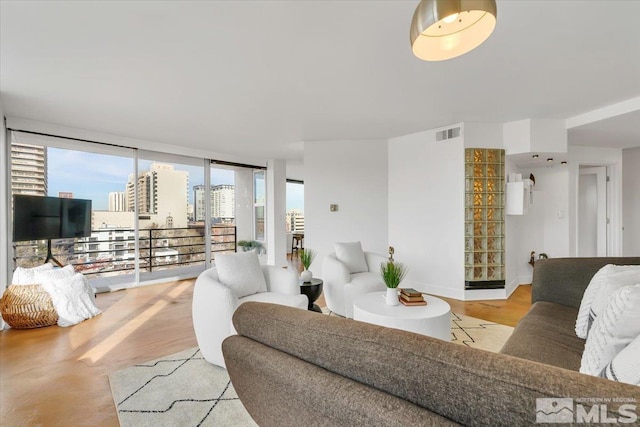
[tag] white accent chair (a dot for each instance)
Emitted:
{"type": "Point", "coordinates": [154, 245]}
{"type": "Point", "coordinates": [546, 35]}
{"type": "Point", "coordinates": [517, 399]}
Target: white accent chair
{"type": "Point", "coordinates": [341, 287]}
{"type": "Point", "coordinates": [214, 304]}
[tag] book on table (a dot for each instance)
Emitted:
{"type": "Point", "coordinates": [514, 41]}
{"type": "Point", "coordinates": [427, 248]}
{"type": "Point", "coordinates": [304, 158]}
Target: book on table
{"type": "Point", "coordinates": [412, 303]}
{"type": "Point", "coordinates": [408, 298]}
{"type": "Point", "coordinates": [410, 292]}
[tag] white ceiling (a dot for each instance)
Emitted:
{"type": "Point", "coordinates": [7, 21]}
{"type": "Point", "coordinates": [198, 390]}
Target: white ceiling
{"type": "Point", "coordinates": [259, 77]}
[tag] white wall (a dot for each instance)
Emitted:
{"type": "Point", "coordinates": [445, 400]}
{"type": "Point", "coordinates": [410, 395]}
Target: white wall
{"type": "Point", "coordinates": [426, 211]}
{"type": "Point", "coordinates": [546, 226]}
{"type": "Point", "coordinates": [276, 181]}
{"type": "Point", "coordinates": [295, 170]}
{"type": "Point", "coordinates": [4, 208]}
{"type": "Point", "coordinates": [631, 202]}
{"type": "Point", "coordinates": [353, 175]}
{"type": "Point", "coordinates": [517, 270]}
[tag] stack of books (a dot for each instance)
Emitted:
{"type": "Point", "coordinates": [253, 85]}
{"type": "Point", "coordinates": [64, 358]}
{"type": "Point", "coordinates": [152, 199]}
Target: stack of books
{"type": "Point", "coordinates": [409, 296]}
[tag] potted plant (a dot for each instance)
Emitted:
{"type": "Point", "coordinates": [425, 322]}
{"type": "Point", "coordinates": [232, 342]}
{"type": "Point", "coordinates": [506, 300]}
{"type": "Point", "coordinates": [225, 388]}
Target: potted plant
{"type": "Point", "coordinates": [249, 245]}
{"type": "Point", "coordinates": [306, 258]}
{"type": "Point", "coordinates": [392, 274]}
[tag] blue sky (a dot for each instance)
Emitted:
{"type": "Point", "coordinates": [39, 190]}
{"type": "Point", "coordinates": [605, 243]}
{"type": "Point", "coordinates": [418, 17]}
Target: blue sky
{"type": "Point", "coordinates": [93, 176]}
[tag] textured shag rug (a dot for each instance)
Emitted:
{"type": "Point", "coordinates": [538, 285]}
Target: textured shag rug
{"type": "Point", "coordinates": [184, 390]}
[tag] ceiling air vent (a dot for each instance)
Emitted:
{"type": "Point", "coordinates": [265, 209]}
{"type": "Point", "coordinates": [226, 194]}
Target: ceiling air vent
{"type": "Point", "coordinates": [448, 134]}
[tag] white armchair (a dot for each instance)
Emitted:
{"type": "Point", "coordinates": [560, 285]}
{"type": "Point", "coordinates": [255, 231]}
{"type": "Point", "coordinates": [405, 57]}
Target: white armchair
{"type": "Point", "coordinates": [341, 287]}
{"type": "Point", "coordinates": [214, 304]}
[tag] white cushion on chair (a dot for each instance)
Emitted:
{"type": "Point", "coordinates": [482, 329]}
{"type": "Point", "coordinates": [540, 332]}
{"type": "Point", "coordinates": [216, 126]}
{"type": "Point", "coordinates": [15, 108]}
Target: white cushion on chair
{"type": "Point", "coordinates": [277, 298]}
{"type": "Point", "coordinates": [241, 272]}
{"type": "Point", "coordinates": [352, 255]}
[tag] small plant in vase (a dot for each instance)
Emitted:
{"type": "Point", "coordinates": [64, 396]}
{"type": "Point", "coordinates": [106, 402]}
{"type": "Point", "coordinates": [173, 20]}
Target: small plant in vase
{"type": "Point", "coordinates": [306, 258]}
{"type": "Point", "coordinates": [392, 273]}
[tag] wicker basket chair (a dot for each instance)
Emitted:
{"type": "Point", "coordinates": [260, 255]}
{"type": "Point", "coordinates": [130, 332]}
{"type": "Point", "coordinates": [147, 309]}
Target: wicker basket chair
{"type": "Point", "coordinates": [27, 306]}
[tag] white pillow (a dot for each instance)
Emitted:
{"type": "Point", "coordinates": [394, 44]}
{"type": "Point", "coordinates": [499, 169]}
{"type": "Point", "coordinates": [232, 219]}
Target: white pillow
{"type": "Point", "coordinates": [42, 276]}
{"type": "Point", "coordinates": [615, 280]}
{"type": "Point", "coordinates": [241, 272]}
{"type": "Point", "coordinates": [613, 330]}
{"type": "Point", "coordinates": [72, 298]}
{"type": "Point", "coordinates": [582, 322]}
{"type": "Point", "coordinates": [625, 367]}
{"type": "Point", "coordinates": [24, 276]}
{"type": "Point", "coordinates": [352, 255]}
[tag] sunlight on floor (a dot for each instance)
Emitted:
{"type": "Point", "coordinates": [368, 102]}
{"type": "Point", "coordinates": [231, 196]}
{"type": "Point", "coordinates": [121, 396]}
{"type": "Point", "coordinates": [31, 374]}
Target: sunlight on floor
{"type": "Point", "coordinates": [104, 347]}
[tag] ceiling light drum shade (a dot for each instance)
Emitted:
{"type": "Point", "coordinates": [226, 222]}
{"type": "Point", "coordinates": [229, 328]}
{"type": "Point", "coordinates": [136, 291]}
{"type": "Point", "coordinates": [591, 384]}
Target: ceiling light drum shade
{"type": "Point", "coordinates": [444, 29]}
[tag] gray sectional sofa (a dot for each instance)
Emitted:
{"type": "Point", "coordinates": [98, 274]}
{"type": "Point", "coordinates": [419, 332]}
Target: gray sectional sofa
{"type": "Point", "coordinates": [293, 367]}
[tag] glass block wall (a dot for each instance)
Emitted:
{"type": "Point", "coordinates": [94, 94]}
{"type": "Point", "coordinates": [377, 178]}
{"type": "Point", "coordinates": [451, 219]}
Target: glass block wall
{"type": "Point", "coordinates": [484, 218]}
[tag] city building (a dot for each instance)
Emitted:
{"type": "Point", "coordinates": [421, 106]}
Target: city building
{"type": "Point", "coordinates": [65, 194]}
{"type": "Point", "coordinates": [295, 221]}
{"type": "Point", "coordinates": [28, 169]}
{"type": "Point", "coordinates": [162, 191]}
{"type": "Point", "coordinates": [117, 201]}
{"type": "Point", "coordinates": [222, 203]}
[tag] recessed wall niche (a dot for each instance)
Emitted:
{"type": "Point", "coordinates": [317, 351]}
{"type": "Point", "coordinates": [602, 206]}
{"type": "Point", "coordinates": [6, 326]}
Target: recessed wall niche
{"type": "Point", "coordinates": [484, 218]}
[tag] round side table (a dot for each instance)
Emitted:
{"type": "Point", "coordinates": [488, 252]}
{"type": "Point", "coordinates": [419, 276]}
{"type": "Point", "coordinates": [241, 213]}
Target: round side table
{"type": "Point", "coordinates": [312, 290]}
{"type": "Point", "coordinates": [433, 319]}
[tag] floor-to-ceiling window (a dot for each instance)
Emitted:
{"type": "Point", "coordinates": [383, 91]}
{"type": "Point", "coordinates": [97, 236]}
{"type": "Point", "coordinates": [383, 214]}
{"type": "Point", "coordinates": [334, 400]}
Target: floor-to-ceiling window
{"type": "Point", "coordinates": [149, 210]}
{"type": "Point", "coordinates": [164, 191]}
{"type": "Point", "coordinates": [61, 168]}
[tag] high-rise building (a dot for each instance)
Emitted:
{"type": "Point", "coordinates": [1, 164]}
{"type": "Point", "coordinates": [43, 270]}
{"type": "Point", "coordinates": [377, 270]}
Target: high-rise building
{"type": "Point", "coordinates": [28, 169]}
{"type": "Point", "coordinates": [198, 203]}
{"type": "Point", "coordinates": [65, 194]}
{"type": "Point", "coordinates": [295, 220]}
{"type": "Point", "coordinates": [117, 202]}
{"type": "Point", "coordinates": [162, 191]}
{"type": "Point", "coordinates": [223, 202]}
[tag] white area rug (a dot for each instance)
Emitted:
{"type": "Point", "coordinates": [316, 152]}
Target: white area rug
{"type": "Point", "coordinates": [184, 390]}
{"type": "Point", "coordinates": [177, 390]}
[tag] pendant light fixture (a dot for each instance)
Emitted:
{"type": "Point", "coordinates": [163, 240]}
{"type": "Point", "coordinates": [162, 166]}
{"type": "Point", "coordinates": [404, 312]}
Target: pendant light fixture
{"type": "Point", "coordinates": [444, 29]}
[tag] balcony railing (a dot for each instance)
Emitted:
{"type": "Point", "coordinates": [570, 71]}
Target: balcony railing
{"type": "Point", "coordinates": [112, 251]}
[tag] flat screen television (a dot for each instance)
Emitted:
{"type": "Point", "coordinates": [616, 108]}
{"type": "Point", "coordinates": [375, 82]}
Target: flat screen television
{"type": "Point", "coordinates": [48, 218]}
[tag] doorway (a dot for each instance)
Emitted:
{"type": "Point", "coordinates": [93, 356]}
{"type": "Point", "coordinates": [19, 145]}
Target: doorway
{"type": "Point", "coordinates": [592, 211]}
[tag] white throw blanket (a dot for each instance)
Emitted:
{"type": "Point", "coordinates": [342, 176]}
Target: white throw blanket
{"type": "Point", "coordinates": [72, 298]}
{"type": "Point", "coordinates": [71, 295]}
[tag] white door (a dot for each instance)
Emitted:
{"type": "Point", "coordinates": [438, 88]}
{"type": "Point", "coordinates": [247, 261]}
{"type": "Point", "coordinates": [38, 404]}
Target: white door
{"type": "Point", "coordinates": [592, 212]}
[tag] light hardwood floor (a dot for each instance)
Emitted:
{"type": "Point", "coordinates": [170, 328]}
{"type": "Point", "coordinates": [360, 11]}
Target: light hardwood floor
{"type": "Point", "coordinates": [58, 376]}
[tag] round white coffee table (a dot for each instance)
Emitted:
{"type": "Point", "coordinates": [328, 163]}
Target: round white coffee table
{"type": "Point", "coordinates": [433, 319]}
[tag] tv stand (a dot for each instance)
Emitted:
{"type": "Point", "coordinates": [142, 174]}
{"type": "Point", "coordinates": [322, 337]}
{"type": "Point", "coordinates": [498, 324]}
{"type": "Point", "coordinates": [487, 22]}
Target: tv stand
{"type": "Point", "coordinates": [50, 256]}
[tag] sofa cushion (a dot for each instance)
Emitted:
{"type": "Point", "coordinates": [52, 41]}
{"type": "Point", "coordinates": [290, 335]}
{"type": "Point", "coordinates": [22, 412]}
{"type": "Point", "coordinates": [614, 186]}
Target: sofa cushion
{"type": "Point", "coordinates": [367, 280]}
{"type": "Point", "coordinates": [614, 281]}
{"type": "Point", "coordinates": [299, 301]}
{"type": "Point", "coordinates": [241, 272]}
{"type": "Point", "coordinates": [546, 335]}
{"type": "Point", "coordinates": [600, 287]}
{"type": "Point", "coordinates": [352, 256]}
{"type": "Point", "coordinates": [613, 330]}
{"type": "Point", "coordinates": [625, 367]}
